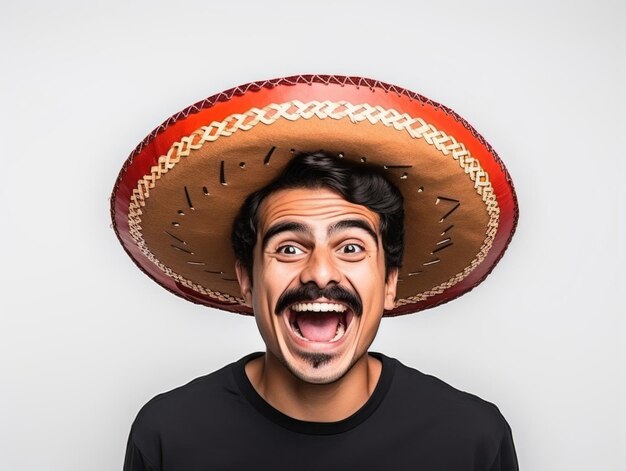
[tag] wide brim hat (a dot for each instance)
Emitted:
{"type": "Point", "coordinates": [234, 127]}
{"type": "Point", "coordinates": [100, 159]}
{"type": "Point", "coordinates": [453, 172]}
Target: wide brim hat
{"type": "Point", "coordinates": [176, 197]}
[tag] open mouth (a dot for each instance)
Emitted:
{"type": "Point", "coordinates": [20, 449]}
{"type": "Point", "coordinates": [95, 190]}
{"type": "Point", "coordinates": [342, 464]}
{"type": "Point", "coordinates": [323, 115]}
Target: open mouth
{"type": "Point", "coordinates": [320, 321]}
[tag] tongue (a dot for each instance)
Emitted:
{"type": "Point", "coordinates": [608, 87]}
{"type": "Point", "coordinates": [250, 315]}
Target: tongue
{"type": "Point", "coordinates": [318, 326]}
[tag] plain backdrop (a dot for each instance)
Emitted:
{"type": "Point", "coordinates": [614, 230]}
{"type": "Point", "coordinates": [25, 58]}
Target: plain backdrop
{"type": "Point", "coordinates": [86, 339]}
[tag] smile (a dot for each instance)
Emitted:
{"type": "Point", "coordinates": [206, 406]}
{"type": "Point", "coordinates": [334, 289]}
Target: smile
{"type": "Point", "coordinates": [320, 322]}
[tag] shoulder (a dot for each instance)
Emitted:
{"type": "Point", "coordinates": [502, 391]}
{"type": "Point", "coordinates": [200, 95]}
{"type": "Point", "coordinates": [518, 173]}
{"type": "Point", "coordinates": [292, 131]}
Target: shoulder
{"type": "Point", "coordinates": [184, 424]}
{"type": "Point", "coordinates": [429, 397]}
{"type": "Point", "coordinates": [163, 416]}
{"type": "Point", "coordinates": [444, 419]}
{"type": "Point", "coordinates": [216, 383]}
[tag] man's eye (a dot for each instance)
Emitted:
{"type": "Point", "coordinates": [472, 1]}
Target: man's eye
{"type": "Point", "coordinates": [289, 250]}
{"type": "Point", "coordinates": [351, 248]}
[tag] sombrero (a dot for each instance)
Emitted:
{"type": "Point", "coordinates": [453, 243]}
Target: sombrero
{"type": "Point", "coordinates": [176, 197]}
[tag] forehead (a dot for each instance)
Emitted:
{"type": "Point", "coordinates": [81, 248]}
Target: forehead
{"type": "Point", "coordinates": [320, 205]}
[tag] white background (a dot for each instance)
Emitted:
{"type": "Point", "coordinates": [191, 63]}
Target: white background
{"type": "Point", "coordinates": [86, 339]}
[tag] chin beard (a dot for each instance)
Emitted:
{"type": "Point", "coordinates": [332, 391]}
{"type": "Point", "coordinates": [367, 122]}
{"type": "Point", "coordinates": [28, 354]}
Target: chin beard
{"type": "Point", "coordinates": [316, 361]}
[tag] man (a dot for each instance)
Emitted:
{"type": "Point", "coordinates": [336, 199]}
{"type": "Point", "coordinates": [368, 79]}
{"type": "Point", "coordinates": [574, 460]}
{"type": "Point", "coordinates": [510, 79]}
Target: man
{"type": "Point", "coordinates": [318, 250]}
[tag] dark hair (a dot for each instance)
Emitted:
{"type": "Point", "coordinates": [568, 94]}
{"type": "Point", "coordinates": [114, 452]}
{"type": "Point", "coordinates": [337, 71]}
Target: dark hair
{"type": "Point", "coordinates": [357, 183]}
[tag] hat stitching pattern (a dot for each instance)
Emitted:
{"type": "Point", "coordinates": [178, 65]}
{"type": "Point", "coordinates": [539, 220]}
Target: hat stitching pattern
{"type": "Point", "coordinates": [341, 80]}
{"type": "Point", "coordinates": [293, 110]}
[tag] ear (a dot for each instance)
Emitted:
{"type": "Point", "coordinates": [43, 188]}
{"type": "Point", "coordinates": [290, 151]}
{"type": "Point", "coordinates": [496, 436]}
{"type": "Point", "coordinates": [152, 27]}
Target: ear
{"type": "Point", "coordinates": [390, 289]}
{"type": "Point", "coordinates": [245, 283]}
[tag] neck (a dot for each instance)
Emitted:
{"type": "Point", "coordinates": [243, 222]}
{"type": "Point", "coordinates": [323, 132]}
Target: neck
{"type": "Point", "coordinates": [314, 402]}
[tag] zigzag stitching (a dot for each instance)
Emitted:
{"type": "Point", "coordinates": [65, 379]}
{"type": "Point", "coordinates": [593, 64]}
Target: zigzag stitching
{"type": "Point", "coordinates": [326, 109]}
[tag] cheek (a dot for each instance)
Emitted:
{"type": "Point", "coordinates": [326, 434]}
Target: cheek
{"type": "Point", "coordinates": [370, 287]}
{"type": "Point", "coordinates": [365, 275]}
{"type": "Point", "coordinates": [273, 279]}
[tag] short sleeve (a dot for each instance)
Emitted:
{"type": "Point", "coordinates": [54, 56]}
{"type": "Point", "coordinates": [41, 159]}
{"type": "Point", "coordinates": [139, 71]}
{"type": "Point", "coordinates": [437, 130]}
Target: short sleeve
{"type": "Point", "coordinates": [506, 459]}
{"type": "Point", "coordinates": [135, 460]}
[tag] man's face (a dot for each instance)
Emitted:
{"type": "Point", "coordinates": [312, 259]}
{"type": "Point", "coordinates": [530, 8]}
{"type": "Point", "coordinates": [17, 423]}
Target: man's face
{"type": "Point", "coordinates": [318, 285]}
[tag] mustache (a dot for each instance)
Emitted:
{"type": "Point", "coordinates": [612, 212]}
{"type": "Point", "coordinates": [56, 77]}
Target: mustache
{"type": "Point", "coordinates": [310, 292]}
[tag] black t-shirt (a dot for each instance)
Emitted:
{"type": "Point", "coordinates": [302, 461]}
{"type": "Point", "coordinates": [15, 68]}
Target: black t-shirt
{"type": "Point", "coordinates": [412, 421]}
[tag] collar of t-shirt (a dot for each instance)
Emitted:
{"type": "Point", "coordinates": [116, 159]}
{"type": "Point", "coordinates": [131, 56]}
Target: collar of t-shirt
{"type": "Point", "coordinates": [315, 428]}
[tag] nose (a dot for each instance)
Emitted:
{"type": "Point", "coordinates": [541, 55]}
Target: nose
{"type": "Point", "coordinates": [320, 269]}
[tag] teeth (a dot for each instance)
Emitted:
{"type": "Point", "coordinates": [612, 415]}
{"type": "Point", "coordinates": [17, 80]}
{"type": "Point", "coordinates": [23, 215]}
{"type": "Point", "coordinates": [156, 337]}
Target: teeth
{"type": "Point", "coordinates": [298, 333]}
{"type": "Point", "coordinates": [318, 307]}
{"type": "Point", "coordinates": [341, 329]}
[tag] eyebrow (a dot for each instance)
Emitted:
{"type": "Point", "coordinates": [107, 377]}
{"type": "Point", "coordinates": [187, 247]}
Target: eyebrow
{"type": "Point", "coordinates": [284, 227]}
{"type": "Point", "coordinates": [290, 226]}
{"type": "Point", "coordinates": [356, 223]}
